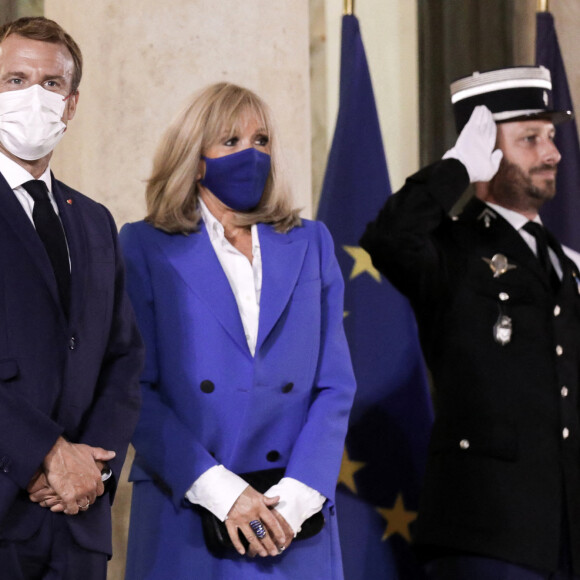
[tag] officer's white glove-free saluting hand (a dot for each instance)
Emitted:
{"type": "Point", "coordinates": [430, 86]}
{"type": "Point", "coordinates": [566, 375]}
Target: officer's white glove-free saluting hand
{"type": "Point", "coordinates": [475, 146]}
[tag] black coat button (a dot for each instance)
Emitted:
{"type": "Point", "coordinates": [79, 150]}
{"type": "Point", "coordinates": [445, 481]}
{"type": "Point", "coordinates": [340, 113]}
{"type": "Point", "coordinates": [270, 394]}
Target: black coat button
{"type": "Point", "coordinates": [273, 455]}
{"type": "Point", "coordinates": [287, 387]}
{"type": "Point", "coordinates": [207, 386]}
{"type": "Point", "coordinates": [72, 343]}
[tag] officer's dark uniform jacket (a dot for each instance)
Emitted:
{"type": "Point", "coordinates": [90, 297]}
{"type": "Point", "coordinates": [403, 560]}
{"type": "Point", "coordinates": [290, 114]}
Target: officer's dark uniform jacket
{"type": "Point", "coordinates": [504, 458]}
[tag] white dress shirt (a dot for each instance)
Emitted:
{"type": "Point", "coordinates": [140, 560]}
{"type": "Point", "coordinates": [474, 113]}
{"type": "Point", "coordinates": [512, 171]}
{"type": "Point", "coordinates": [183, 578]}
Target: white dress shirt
{"type": "Point", "coordinates": [218, 488]}
{"type": "Point", "coordinates": [245, 277]}
{"type": "Point", "coordinates": [518, 221]}
{"type": "Point", "coordinates": [16, 175]}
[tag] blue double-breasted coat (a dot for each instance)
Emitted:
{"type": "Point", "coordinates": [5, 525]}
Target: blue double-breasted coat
{"type": "Point", "coordinates": [208, 401]}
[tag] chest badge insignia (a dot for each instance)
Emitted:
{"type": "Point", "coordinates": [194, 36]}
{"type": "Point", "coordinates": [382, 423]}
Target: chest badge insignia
{"type": "Point", "coordinates": [502, 329]}
{"type": "Point", "coordinates": [498, 264]}
{"type": "Point", "coordinates": [486, 215]}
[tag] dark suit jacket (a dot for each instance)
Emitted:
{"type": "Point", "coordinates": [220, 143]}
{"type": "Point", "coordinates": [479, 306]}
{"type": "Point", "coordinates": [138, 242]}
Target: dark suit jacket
{"type": "Point", "coordinates": [77, 377]}
{"type": "Point", "coordinates": [501, 468]}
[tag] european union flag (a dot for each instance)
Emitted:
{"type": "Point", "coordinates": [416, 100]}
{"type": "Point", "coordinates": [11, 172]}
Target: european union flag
{"type": "Point", "coordinates": [386, 446]}
{"type": "Point", "coordinates": [563, 212]}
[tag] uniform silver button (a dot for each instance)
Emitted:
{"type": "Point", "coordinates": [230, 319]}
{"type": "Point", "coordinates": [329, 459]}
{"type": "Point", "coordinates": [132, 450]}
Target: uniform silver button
{"type": "Point", "coordinates": [557, 310]}
{"type": "Point", "coordinates": [565, 433]}
{"type": "Point", "coordinates": [559, 350]}
{"type": "Point", "coordinates": [464, 444]}
{"type": "Point", "coordinates": [503, 296]}
{"type": "Point", "coordinates": [564, 392]}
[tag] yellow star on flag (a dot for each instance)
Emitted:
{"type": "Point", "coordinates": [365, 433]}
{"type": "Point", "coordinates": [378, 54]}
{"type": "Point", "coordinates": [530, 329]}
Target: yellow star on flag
{"type": "Point", "coordinates": [398, 519]}
{"type": "Point", "coordinates": [362, 263]}
{"type": "Point", "coordinates": [347, 470]}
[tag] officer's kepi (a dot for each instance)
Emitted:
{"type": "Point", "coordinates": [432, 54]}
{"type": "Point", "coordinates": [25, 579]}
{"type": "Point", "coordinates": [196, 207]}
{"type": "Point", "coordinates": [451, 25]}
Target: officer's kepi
{"type": "Point", "coordinates": [511, 94]}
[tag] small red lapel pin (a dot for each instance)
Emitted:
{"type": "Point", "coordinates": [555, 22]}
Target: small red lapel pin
{"type": "Point", "coordinates": [69, 201]}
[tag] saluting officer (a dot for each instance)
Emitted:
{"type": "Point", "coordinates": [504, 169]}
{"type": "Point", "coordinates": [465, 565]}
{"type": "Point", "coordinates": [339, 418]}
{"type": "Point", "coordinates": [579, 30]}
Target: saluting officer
{"type": "Point", "coordinates": [497, 302]}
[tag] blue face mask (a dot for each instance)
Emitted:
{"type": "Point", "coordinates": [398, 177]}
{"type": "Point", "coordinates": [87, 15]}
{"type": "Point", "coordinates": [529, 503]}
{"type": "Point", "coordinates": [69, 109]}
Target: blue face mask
{"type": "Point", "coordinates": [238, 179]}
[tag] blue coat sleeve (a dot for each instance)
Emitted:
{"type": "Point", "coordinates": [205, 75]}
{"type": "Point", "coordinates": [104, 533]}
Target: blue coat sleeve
{"type": "Point", "coordinates": [166, 447]}
{"type": "Point", "coordinates": [317, 453]}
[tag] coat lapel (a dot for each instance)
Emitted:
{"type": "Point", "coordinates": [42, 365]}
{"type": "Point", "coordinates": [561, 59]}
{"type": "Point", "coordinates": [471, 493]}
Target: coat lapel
{"type": "Point", "coordinates": [17, 220]}
{"type": "Point", "coordinates": [77, 246]}
{"type": "Point", "coordinates": [194, 259]}
{"type": "Point", "coordinates": [282, 260]}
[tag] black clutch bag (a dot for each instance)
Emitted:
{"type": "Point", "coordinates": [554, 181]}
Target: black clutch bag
{"type": "Point", "coordinates": [216, 534]}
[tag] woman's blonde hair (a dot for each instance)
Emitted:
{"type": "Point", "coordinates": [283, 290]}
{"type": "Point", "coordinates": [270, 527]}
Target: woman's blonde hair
{"type": "Point", "coordinates": [172, 188]}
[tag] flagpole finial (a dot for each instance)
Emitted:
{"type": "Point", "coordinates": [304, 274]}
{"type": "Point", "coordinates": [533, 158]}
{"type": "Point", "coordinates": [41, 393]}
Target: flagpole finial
{"type": "Point", "coordinates": [348, 7]}
{"type": "Point", "coordinates": [543, 5]}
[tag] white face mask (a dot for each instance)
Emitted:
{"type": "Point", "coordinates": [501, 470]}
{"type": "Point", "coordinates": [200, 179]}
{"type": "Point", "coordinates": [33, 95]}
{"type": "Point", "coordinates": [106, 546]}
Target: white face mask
{"type": "Point", "coordinates": [30, 122]}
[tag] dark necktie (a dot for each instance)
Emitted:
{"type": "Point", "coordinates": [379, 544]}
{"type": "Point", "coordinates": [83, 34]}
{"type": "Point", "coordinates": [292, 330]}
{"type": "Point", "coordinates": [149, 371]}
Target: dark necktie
{"type": "Point", "coordinates": [540, 234]}
{"type": "Point", "coordinates": [51, 233]}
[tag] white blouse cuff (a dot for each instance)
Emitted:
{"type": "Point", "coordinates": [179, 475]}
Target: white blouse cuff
{"type": "Point", "coordinates": [216, 489]}
{"type": "Point", "coordinates": [297, 501]}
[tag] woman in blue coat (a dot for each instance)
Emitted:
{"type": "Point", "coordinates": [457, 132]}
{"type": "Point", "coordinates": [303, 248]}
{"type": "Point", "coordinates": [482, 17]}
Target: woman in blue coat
{"type": "Point", "coordinates": [240, 303]}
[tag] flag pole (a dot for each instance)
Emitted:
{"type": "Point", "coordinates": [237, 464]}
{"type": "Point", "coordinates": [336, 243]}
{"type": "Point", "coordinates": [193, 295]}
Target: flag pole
{"type": "Point", "coordinates": [543, 5]}
{"type": "Point", "coordinates": [348, 7]}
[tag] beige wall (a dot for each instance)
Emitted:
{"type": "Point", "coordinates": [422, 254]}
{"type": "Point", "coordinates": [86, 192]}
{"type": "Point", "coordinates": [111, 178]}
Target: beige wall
{"type": "Point", "coordinates": [144, 57]}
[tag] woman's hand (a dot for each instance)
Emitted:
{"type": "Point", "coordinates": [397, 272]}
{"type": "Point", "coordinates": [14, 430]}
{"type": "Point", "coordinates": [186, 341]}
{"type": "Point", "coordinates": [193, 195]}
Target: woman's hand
{"type": "Point", "coordinates": [287, 530]}
{"type": "Point", "coordinates": [252, 505]}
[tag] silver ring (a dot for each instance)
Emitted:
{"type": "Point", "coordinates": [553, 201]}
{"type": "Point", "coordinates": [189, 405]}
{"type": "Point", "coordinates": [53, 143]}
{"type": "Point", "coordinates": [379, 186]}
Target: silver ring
{"type": "Point", "coordinates": [85, 507]}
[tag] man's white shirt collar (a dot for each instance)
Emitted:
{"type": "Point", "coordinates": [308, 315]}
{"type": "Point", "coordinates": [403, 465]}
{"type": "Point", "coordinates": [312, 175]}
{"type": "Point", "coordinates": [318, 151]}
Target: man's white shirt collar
{"type": "Point", "coordinates": [518, 221]}
{"type": "Point", "coordinates": [514, 218]}
{"type": "Point", "coordinates": [16, 175]}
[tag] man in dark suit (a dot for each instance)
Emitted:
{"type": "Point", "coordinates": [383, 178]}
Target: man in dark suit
{"type": "Point", "coordinates": [498, 307]}
{"type": "Point", "coordinates": [70, 353]}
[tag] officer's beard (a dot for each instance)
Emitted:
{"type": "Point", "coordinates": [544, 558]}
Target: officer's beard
{"type": "Point", "coordinates": [514, 189]}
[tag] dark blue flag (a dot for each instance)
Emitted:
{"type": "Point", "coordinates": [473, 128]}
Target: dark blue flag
{"type": "Point", "coordinates": [562, 215]}
{"type": "Point", "coordinates": [383, 465]}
